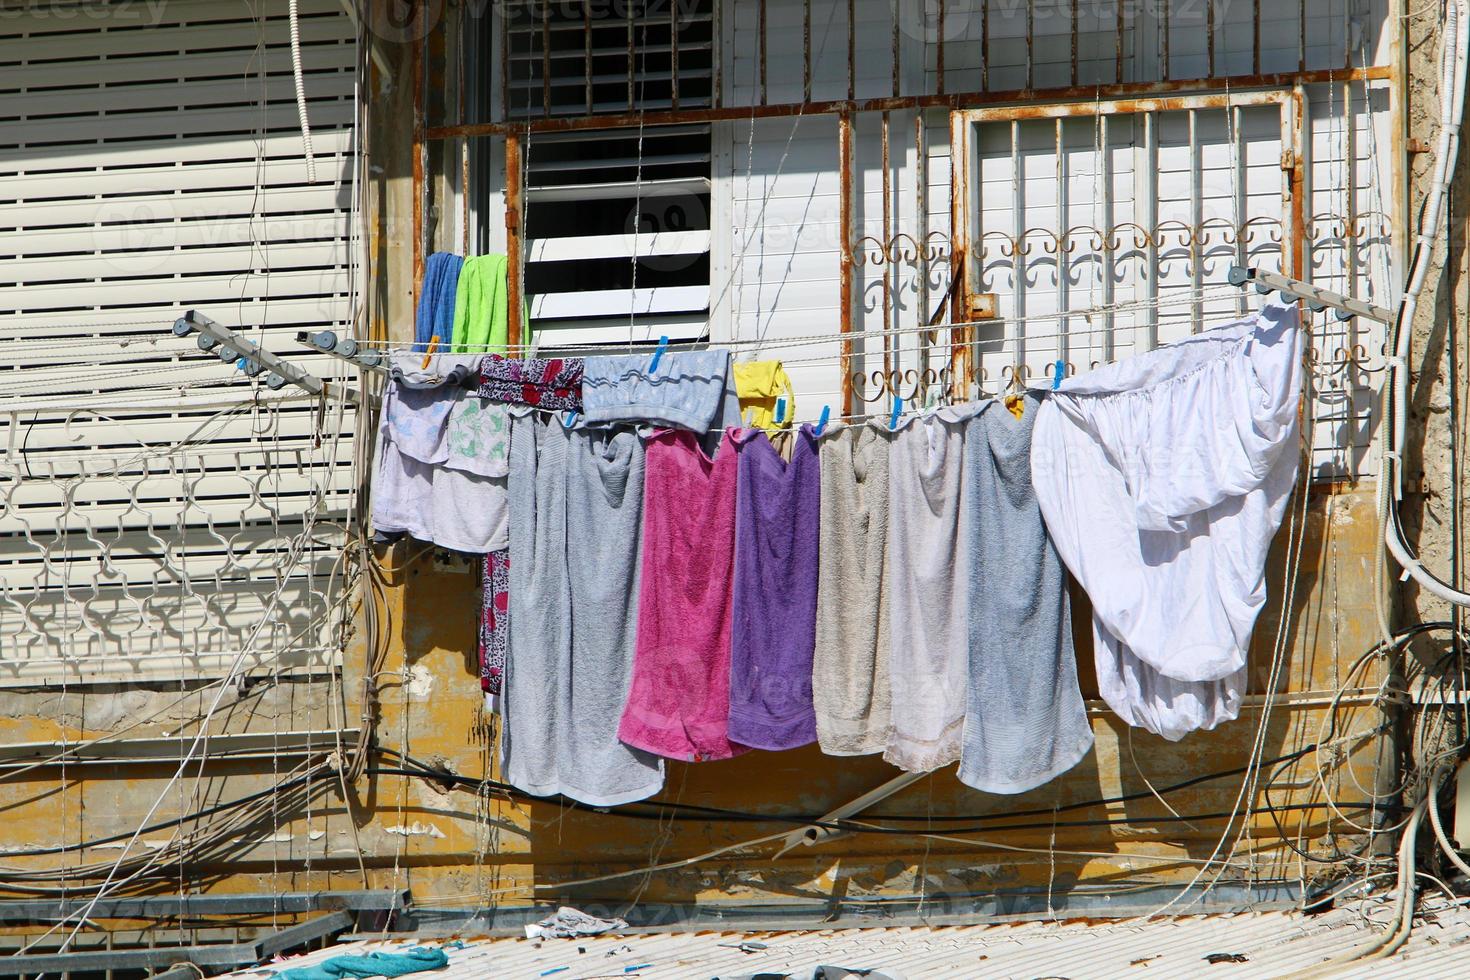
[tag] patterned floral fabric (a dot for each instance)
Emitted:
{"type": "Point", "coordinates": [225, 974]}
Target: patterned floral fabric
{"type": "Point", "coordinates": [478, 436]}
{"type": "Point", "coordinates": [541, 382]}
{"type": "Point", "coordinates": [494, 623]}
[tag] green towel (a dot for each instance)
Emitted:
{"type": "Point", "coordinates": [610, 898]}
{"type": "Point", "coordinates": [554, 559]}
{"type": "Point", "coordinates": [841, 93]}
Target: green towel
{"type": "Point", "coordinates": [482, 308]}
{"type": "Point", "coordinates": [372, 965]}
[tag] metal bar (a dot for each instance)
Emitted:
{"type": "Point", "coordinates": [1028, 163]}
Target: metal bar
{"type": "Point", "coordinates": [1063, 223]}
{"type": "Point", "coordinates": [220, 955]}
{"type": "Point", "coordinates": [514, 273]}
{"type": "Point", "coordinates": [180, 906]}
{"type": "Point", "coordinates": [418, 149]}
{"type": "Point", "coordinates": [939, 55]}
{"type": "Point", "coordinates": [896, 58]}
{"type": "Point", "coordinates": [629, 14]}
{"type": "Point", "coordinates": [845, 277]}
{"type": "Point", "coordinates": [761, 42]}
{"type": "Point", "coordinates": [1074, 42]}
{"type": "Point", "coordinates": [1119, 13]}
{"type": "Point", "coordinates": [1237, 150]}
{"type": "Point", "coordinates": [806, 51]}
{"type": "Point", "coordinates": [960, 355]}
{"type": "Point", "coordinates": [851, 52]}
{"type": "Point", "coordinates": [1301, 35]}
{"type": "Point", "coordinates": [587, 52]}
{"type": "Point", "coordinates": [985, 45]}
{"type": "Point", "coordinates": [921, 224]}
{"type": "Point", "coordinates": [1163, 95]}
{"type": "Point", "coordinates": [1018, 254]}
{"type": "Point", "coordinates": [502, 24]}
{"type": "Point", "coordinates": [1326, 298]}
{"type": "Point", "coordinates": [1210, 37]}
{"type": "Point", "coordinates": [1150, 200]}
{"type": "Point", "coordinates": [1030, 46]}
{"type": "Point", "coordinates": [546, 57]}
{"type": "Point", "coordinates": [1105, 166]}
{"type": "Point", "coordinates": [1351, 166]}
{"type": "Point", "coordinates": [673, 55]}
{"type": "Point", "coordinates": [1164, 60]}
{"type": "Point", "coordinates": [891, 343]}
{"type": "Point", "coordinates": [1255, 37]}
{"type": "Point", "coordinates": [1196, 216]}
{"type": "Point", "coordinates": [807, 836]}
{"type": "Point", "coordinates": [304, 932]}
{"type": "Point", "coordinates": [250, 350]}
{"type": "Point", "coordinates": [231, 745]}
{"type": "Point", "coordinates": [1296, 114]}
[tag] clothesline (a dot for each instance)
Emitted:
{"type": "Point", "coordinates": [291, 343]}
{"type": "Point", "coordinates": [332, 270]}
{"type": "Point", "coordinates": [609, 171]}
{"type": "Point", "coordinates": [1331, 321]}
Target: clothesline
{"type": "Point", "coordinates": [726, 647]}
{"type": "Point", "coordinates": [757, 344]}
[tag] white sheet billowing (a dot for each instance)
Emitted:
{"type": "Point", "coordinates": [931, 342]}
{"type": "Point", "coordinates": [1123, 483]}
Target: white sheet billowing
{"type": "Point", "coordinates": [1162, 480]}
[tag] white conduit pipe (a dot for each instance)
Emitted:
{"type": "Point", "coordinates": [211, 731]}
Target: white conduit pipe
{"type": "Point", "coordinates": [301, 94]}
{"type": "Point", "coordinates": [1387, 942]}
{"type": "Point", "coordinates": [1452, 109]}
{"type": "Point", "coordinates": [1445, 844]}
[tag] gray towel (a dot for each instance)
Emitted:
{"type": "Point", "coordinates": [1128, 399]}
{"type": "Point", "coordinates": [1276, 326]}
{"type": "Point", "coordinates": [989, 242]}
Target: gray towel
{"type": "Point", "coordinates": [850, 665]}
{"type": "Point", "coordinates": [576, 502]}
{"type": "Point", "coordinates": [1025, 722]}
{"type": "Point", "coordinates": [929, 593]}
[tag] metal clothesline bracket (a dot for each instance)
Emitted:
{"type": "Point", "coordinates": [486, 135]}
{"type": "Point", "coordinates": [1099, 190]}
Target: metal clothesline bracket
{"type": "Point", "coordinates": [1317, 298]}
{"type": "Point", "coordinates": [253, 359]}
{"type": "Point", "coordinates": [345, 348]}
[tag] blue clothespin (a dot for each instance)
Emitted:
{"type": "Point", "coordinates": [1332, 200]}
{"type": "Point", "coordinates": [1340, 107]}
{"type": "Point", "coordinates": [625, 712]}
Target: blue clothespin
{"type": "Point", "coordinates": [242, 364]}
{"type": "Point", "coordinates": [897, 410]}
{"type": "Point", "coordinates": [658, 353]}
{"type": "Point", "coordinates": [780, 410]}
{"type": "Point", "coordinates": [822, 422]}
{"type": "Point", "coordinates": [570, 420]}
{"type": "Point", "coordinates": [1059, 371]}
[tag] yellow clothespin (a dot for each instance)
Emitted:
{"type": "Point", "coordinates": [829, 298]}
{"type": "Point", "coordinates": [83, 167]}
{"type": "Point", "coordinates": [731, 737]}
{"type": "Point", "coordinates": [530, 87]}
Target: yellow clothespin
{"type": "Point", "coordinates": [429, 354]}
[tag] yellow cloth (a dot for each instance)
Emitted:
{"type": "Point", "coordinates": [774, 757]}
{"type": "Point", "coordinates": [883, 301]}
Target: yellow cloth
{"type": "Point", "coordinates": [759, 384]}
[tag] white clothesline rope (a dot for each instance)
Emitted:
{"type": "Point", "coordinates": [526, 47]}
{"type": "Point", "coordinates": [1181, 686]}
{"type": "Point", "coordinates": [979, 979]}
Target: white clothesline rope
{"type": "Point", "coordinates": [1184, 298]}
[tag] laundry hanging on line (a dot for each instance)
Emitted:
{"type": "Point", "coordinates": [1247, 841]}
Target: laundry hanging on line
{"type": "Point", "coordinates": [940, 628]}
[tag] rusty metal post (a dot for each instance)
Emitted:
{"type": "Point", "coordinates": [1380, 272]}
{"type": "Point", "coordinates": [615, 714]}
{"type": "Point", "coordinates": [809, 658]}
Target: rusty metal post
{"type": "Point", "coordinates": [845, 177]}
{"type": "Point", "coordinates": [1296, 111]}
{"type": "Point", "coordinates": [961, 370]}
{"type": "Point", "coordinates": [514, 278]}
{"type": "Point", "coordinates": [419, 151]}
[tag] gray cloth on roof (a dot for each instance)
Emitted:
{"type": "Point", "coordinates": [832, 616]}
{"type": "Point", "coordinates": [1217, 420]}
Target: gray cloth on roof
{"type": "Point", "coordinates": [850, 663]}
{"type": "Point", "coordinates": [687, 391]}
{"type": "Point", "coordinates": [1025, 722]}
{"type": "Point", "coordinates": [576, 501]}
{"type": "Point", "coordinates": [821, 973]}
{"type": "Point", "coordinates": [569, 923]}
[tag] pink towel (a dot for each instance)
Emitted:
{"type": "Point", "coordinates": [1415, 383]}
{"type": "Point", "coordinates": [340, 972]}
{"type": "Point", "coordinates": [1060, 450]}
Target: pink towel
{"type": "Point", "coordinates": [679, 702]}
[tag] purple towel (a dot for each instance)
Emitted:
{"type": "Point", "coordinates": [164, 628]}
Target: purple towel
{"type": "Point", "coordinates": [773, 634]}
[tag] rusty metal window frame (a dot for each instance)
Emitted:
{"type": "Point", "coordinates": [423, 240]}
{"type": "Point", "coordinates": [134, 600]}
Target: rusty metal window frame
{"type": "Point", "coordinates": [967, 205]}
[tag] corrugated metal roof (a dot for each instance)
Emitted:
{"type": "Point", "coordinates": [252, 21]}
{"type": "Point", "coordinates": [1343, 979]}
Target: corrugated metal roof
{"type": "Point", "coordinates": [1271, 944]}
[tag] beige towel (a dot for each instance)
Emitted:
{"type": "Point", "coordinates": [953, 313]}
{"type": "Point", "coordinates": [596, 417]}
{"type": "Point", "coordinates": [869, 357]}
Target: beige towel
{"type": "Point", "coordinates": [850, 666]}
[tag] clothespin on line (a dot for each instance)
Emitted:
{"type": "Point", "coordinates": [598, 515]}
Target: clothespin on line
{"type": "Point", "coordinates": [780, 413]}
{"type": "Point", "coordinates": [1058, 372]}
{"type": "Point", "coordinates": [429, 353]}
{"type": "Point", "coordinates": [897, 411]}
{"type": "Point", "coordinates": [658, 353]}
{"type": "Point", "coordinates": [822, 422]}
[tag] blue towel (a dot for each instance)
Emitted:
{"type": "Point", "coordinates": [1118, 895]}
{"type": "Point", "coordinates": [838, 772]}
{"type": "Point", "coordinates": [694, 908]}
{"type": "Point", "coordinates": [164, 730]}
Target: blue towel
{"type": "Point", "coordinates": [371, 965]}
{"type": "Point", "coordinates": [435, 314]}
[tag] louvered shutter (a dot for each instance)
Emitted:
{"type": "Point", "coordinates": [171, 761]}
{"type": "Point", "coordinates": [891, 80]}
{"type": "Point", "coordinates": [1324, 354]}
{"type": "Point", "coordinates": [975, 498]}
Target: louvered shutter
{"type": "Point", "coordinates": [159, 511]}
